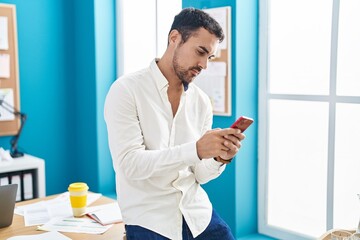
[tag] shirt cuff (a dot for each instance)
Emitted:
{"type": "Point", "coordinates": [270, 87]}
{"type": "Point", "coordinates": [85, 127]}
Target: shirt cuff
{"type": "Point", "coordinates": [189, 153]}
{"type": "Point", "coordinates": [216, 164]}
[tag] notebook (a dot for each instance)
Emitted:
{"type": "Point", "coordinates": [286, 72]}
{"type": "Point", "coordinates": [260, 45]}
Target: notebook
{"type": "Point", "coordinates": [7, 204]}
{"type": "Point", "coordinates": [105, 214]}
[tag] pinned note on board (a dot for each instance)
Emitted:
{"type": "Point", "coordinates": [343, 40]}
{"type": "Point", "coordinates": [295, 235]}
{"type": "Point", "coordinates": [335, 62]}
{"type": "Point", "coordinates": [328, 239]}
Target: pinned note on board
{"type": "Point", "coordinates": [4, 37]}
{"type": "Point", "coordinates": [213, 82]}
{"type": "Point", "coordinates": [4, 65]}
{"type": "Point", "coordinates": [6, 95]}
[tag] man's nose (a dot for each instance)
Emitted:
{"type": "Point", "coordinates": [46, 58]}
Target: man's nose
{"type": "Point", "coordinates": [203, 63]}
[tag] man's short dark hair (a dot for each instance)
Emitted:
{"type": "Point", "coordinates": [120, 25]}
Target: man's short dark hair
{"type": "Point", "coordinates": [189, 20]}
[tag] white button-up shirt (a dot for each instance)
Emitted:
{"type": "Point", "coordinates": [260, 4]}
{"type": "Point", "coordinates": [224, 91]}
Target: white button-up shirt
{"type": "Point", "coordinates": [158, 171]}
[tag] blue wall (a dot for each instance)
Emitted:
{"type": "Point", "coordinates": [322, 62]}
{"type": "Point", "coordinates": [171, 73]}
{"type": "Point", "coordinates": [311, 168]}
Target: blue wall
{"type": "Point", "coordinates": [234, 194]}
{"type": "Point", "coordinates": [66, 61]}
{"type": "Point", "coordinates": [46, 94]}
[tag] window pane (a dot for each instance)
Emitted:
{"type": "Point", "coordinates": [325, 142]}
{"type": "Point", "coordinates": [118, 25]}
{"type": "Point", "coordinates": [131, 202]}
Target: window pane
{"type": "Point", "coordinates": [166, 11]}
{"type": "Point", "coordinates": [298, 140]}
{"type": "Point", "coordinates": [299, 46]}
{"type": "Point", "coordinates": [347, 166]}
{"type": "Point", "coordinates": [139, 36]}
{"type": "Point", "coordinates": [348, 70]}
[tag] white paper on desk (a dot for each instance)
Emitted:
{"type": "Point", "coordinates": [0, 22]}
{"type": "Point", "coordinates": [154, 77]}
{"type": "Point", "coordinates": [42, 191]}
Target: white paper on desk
{"type": "Point", "coordinates": [36, 216]}
{"type": "Point", "coordinates": [49, 235]}
{"type": "Point", "coordinates": [75, 225]}
{"type": "Point", "coordinates": [21, 209]}
{"type": "Point", "coordinates": [58, 201]}
{"type": "Point", "coordinates": [41, 212]}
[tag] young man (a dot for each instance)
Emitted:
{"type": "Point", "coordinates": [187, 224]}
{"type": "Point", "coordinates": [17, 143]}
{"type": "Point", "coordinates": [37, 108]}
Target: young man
{"type": "Point", "coordinates": [161, 142]}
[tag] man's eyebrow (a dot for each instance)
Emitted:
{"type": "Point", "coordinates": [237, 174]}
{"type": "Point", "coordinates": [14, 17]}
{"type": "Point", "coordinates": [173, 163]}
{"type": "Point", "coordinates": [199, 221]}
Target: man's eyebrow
{"type": "Point", "coordinates": [204, 49]}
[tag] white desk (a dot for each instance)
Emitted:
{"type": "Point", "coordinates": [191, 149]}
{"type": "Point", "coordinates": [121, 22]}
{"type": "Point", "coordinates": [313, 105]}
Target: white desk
{"type": "Point", "coordinates": [27, 162]}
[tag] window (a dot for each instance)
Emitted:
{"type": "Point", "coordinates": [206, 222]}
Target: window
{"type": "Point", "coordinates": [142, 30]}
{"type": "Point", "coordinates": [309, 115]}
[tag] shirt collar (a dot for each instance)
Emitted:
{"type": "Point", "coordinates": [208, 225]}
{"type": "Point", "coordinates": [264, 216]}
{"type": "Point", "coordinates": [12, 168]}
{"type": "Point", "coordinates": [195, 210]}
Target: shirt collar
{"type": "Point", "coordinates": [161, 81]}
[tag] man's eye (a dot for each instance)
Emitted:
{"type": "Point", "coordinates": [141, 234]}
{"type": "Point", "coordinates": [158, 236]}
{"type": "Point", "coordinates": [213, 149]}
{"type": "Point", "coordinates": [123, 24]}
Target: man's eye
{"type": "Point", "coordinates": [201, 53]}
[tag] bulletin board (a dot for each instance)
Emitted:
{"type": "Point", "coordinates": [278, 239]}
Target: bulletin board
{"type": "Point", "coordinates": [9, 71]}
{"type": "Point", "coordinates": [215, 81]}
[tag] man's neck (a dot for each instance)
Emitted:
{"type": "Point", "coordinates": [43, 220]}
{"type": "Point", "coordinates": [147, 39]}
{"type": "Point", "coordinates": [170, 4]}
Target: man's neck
{"type": "Point", "coordinates": [168, 71]}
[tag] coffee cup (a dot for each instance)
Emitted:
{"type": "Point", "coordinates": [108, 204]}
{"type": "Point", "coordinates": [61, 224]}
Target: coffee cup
{"type": "Point", "coordinates": [78, 197]}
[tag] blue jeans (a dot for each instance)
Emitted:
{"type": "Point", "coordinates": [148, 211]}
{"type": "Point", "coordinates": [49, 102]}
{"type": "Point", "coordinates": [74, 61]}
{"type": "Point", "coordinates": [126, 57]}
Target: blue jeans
{"type": "Point", "coordinates": [216, 230]}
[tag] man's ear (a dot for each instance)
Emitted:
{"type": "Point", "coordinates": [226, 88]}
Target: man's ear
{"type": "Point", "coordinates": [174, 37]}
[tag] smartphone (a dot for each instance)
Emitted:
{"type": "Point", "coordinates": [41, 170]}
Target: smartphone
{"type": "Point", "coordinates": [242, 123]}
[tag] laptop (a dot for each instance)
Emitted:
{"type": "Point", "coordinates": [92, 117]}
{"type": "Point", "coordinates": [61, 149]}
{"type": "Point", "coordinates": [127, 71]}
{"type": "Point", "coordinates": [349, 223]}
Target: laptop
{"type": "Point", "coordinates": [7, 204]}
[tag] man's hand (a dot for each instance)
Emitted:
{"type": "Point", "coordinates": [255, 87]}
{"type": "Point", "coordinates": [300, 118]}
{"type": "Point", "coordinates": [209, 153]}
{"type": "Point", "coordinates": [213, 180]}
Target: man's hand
{"type": "Point", "coordinates": [219, 142]}
{"type": "Point", "coordinates": [234, 144]}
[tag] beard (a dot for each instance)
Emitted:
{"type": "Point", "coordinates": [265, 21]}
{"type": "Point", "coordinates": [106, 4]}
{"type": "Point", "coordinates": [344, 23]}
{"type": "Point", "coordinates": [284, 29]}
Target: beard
{"type": "Point", "coordinates": [185, 75]}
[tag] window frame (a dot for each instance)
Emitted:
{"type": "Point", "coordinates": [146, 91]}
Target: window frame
{"type": "Point", "coordinates": [265, 96]}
